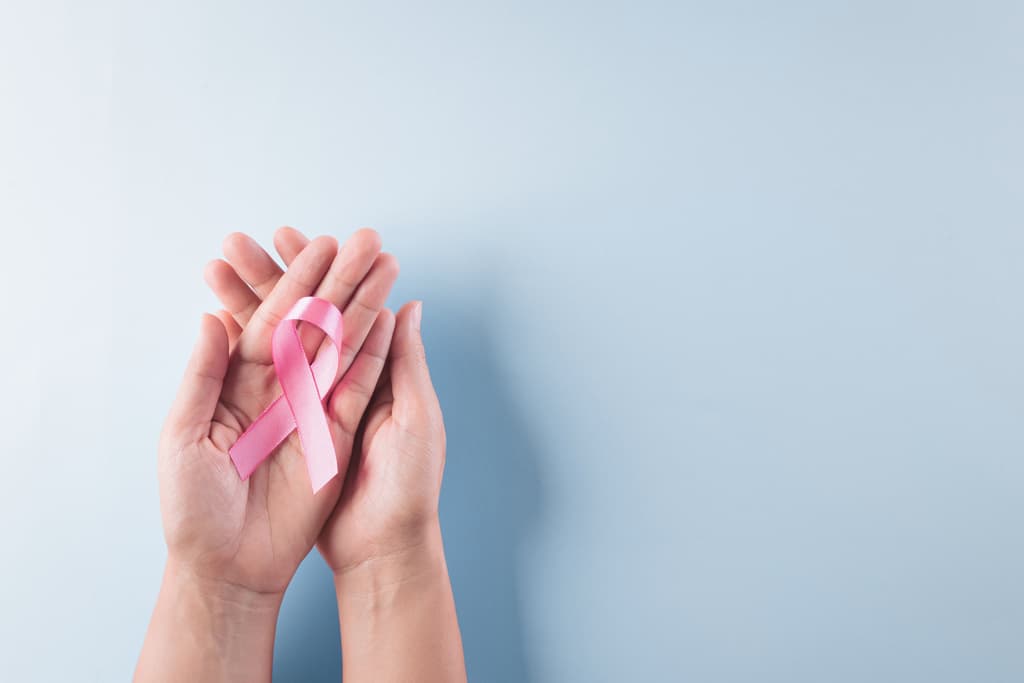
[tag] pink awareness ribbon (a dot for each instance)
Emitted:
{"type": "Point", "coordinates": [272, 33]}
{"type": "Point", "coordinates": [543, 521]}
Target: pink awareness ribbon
{"type": "Point", "coordinates": [305, 386]}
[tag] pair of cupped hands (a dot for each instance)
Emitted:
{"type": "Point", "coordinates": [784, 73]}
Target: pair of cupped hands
{"type": "Point", "coordinates": [246, 538]}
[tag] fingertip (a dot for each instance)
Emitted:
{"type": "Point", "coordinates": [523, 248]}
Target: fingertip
{"type": "Point", "coordinates": [210, 271]}
{"type": "Point", "coordinates": [410, 313]}
{"type": "Point", "coordinates": [406, 335]}
{"type": "Point", "coordinates": [403, 312]}
{"type": "Point", "coordinates": [289, 243]}
{"type": "Point", "coordinates": [213, 342]}
{"type": "Point", "coordinates": [410, 376]}
{"type": "Point", "coordinates": [378, 340]}
{"type": "Point", "coordinates": [324, 244]}
{"type": "Point", "coordinates": [388, 263]}
{"type": "Point", "coordinates": [231, 326]}
{"type": "Point", "coordinates": [289, 231]}
{"type": "Point", "coordinates": [287, 236]}
{"type": "Point", "coordinates": [194, 406]}
{"type": "Point", "coordinates": [362, 248]}
{"type": "Point", "coordinates": [417, 314]}
{"type": "Point", "coordinates": [367, 238]}
{"type": "Point", "coordinates": [210, 326]}
{"type": "Point", "coordinates": [225, 283]}
{"type": "Point", "coordinates": [317, 255]}
{"type": "Point", "coordinates": [237, 243]}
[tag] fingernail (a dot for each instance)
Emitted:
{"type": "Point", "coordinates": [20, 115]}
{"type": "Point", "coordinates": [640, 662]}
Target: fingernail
{"type": "Point", "coordinates": [417, 314]}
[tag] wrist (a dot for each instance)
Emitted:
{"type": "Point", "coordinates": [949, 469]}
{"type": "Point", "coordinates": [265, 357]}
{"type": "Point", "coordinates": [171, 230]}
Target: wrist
{"type": "Point", "coordinates": [418, 558]}
{"type": "Point", "coordinates": [397, 615]}
{"type": "Point", "coordinates": [223, 599]}
{"type": "Point", "coordinates": [207, 629]}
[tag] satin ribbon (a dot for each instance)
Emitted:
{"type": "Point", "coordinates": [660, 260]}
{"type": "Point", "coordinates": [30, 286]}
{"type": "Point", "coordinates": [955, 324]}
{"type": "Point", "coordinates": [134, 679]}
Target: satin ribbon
{"type": "Point", "coordinates": [304, 387]}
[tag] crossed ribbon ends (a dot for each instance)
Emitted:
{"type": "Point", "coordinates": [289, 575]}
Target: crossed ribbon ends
{"type": "Point", "coordinates": [305, 387]}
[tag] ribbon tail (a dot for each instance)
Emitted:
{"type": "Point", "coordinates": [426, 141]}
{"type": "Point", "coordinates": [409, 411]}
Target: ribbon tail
{"type": "Point", "coordinates": [261, 438]}
{"type": "Point", "coordinates": [307, 409]}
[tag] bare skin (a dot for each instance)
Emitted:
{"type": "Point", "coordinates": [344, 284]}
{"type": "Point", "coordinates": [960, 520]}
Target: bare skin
{"type": "Point", "coordinates": [233, 546]}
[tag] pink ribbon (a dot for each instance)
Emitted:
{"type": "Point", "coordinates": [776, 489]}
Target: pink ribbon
{"type": "Point", "coordinates": [304, 388]}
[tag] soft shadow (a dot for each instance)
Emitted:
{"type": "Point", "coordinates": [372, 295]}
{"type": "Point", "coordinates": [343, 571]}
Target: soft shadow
{"type": "Point", "coordinates": [490, 498]}
{"type": "Point", "coordinates": [307, 647]}
{"type": "Point", "coordinates": [491, 493]}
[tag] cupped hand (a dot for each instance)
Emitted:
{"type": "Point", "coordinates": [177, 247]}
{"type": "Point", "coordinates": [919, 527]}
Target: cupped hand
{"type": "Point", "coordinates": [389, 500]}
{"type": "Point", "coordinates": [252, 534]}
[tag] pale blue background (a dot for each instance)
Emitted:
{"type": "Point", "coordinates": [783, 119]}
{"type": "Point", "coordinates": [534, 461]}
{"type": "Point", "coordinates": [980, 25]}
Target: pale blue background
{"type": "Point", "coordinates": [723, 301]}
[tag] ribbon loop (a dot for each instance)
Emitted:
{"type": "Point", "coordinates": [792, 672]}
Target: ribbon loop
{"type": "Point", "coordinates": [304, 387]}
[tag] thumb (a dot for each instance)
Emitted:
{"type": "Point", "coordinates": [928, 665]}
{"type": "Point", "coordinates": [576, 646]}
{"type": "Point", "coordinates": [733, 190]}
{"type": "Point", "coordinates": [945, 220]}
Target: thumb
{"type": "Point", "coordinates": [193, 407]}
{"type": "Point", "coordinates": [415, 399]}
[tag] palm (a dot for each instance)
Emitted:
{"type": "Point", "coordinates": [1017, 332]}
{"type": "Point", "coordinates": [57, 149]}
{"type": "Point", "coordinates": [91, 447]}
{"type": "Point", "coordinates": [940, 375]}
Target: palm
{"type": "Point", "coordinates": [256, 531]}
{"type": "Point", "coordinates": [373, 497]}
{"type": "Point", "coordinates": [392, 485]}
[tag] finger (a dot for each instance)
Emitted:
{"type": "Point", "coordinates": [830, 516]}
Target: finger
{"type": "Point", "coordinates": [289, 242]}
{"type": "Point", "coordinates": [234, 294]}
{"type": "Point", "coordinates": [301, 279]}
{"type": "Point", "coordinates": [252, 263]}
{"type": "Point", "coordinates": [349, 271]}
{"type": "Point", "coordinates": [352, 394]}
{"type": "Point", "coordinates": [232, 328]}
{"type": "Point", "coordinates": [363, 309]}
{"type": "Point", "coordinates": [379, 408]}
{"type": "Point", "coordinates": [193, 407]}
{"type": "Point", "coordinates": [415, 401]}
{"type": "Point", "coordinates": [350, 266]}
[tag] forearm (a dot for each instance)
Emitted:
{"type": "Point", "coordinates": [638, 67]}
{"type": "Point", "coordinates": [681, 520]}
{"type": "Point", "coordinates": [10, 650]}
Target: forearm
{"type": "Point", "coordinates": [202, 630]}
{"type": "Point", "coordinates": [398, 620]}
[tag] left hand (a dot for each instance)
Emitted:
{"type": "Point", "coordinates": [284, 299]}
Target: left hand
{"type": "Point", "coordinates": [253, 534]}
{"type": "Point", "coordinates": [234, 545]}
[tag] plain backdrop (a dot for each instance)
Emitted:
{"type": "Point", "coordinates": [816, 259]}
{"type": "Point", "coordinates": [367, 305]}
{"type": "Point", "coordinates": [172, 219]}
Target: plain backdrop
{"type": "Point", "coordinates": [723, 302]}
